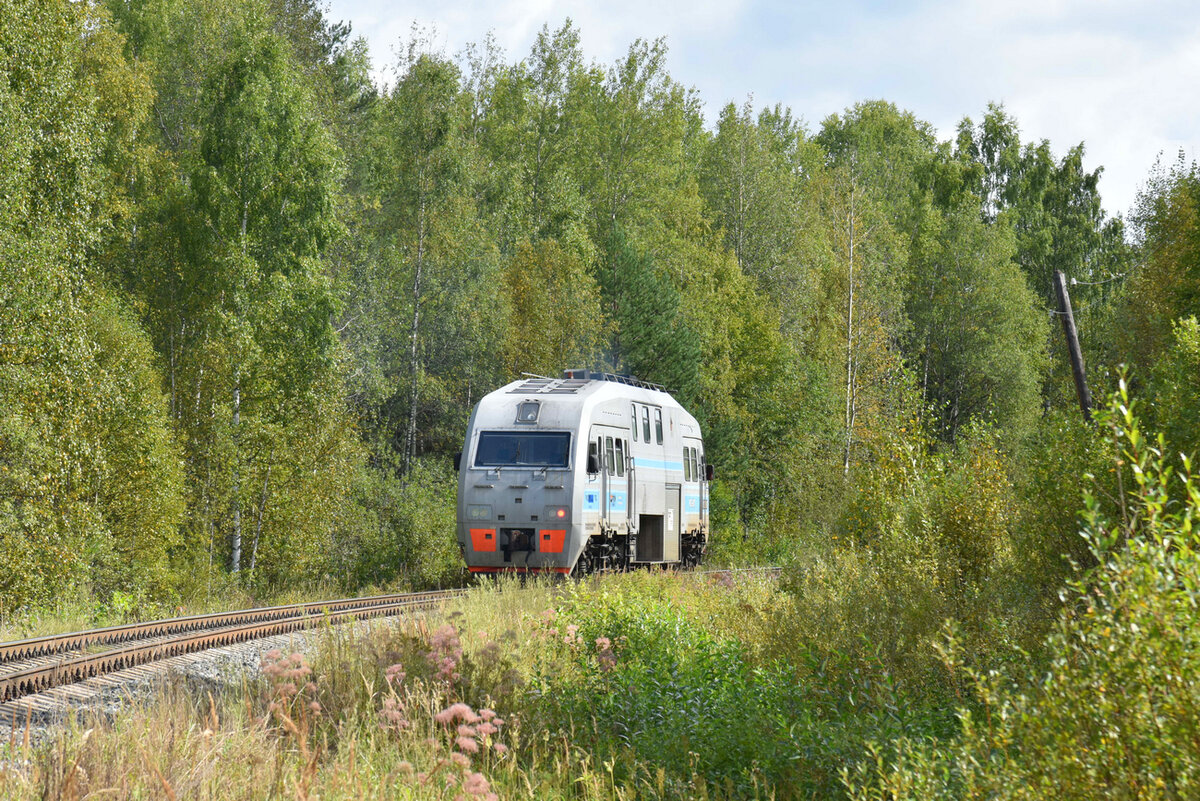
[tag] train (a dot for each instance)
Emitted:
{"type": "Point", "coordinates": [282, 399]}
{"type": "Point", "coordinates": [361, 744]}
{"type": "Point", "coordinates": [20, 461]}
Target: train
{"type": "Point", "coordinates": [590, 471]}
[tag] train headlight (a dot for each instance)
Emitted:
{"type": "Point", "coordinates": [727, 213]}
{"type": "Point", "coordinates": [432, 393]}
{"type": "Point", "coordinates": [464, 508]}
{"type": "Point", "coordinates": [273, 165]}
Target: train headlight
{"type": "Point", "coordinates": [479, 511]}
{"type": "Point", "coordinates": [557, 513]}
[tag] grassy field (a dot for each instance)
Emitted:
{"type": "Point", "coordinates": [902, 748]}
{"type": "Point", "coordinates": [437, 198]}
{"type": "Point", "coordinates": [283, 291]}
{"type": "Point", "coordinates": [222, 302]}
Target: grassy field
{"type": "Point", "coordinates": [669, 686]}
{"type": "Point", "coordinates": [647, 685]}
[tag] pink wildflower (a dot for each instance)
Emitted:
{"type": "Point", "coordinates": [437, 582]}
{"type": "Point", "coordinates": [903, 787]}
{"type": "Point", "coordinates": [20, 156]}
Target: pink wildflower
{"type": "Point", "coordinates": [500, 748]}
{"type": "Point", "coordinates": [467, 744]}
{"type": "Point", "coordinates": [458, 711]}
{"type": "Point", "coordinates": [462, 760]}
{"type": "Point", "coordinates": [603, 643]}
{"type": "Point", "coordinates": [475, 784]}
{"type": "Point", "coordinates": [466, 731]}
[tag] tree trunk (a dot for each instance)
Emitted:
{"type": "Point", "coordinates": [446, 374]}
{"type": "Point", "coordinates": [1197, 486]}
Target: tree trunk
{"type": "Point", "coordinates": [262, 507]}
{"type": "Point", "coordinates": [849, 339]}
{"type": "Point", "coordinates": [410, 444]}
{"type": "Point", "coordinates": [236, 559]}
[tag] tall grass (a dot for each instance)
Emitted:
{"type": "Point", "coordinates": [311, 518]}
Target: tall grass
{"type": "Point", "coordinates": [886, 666]}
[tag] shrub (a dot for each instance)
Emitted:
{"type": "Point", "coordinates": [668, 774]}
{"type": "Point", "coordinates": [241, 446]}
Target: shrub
{"type": "Point", "coordinates": [1114, 711]}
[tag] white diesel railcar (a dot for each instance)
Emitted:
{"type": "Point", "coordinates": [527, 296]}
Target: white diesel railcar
{"type": "Point", "coordinates": [591, 471]}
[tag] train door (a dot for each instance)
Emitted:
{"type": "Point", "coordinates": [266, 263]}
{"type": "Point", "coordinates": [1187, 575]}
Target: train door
{"type": "Point", "coordinates": [604, 475]}
{"type": "Point", "coordinates": [671, 525]}
{"type": "Point", "coordinates": [613, 448]}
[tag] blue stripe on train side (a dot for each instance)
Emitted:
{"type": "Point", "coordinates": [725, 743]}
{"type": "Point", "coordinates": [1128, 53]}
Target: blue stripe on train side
{"type": "Point", "coordinates": [657, 464]}
{"type": "Point", "coordinates": [591, 500]}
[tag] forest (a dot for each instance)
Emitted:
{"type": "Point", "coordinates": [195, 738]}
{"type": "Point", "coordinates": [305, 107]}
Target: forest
{"type": "Point", "coordinates": [250, 296]}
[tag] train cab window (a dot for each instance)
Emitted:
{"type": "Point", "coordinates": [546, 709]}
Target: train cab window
{"type": "Point", "coordinates": [694, 461]}
{"type": "Point", "coordinates": [657, 426]}
{"type": "Point", "coordinates": [620, 457]}
{"type": "Point", "coordinates": [609, 457]}
{"type": "Point", "coordinates": [635, 424]}
{"type": "Point", "coordinates": [687, 464]}
{"type": "Point", "coordinates": [594, 452]}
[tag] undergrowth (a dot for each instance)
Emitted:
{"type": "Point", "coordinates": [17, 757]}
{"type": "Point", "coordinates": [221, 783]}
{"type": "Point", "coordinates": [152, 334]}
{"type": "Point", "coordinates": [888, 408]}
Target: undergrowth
{"type": "Point", "coordinates": [886, 667]}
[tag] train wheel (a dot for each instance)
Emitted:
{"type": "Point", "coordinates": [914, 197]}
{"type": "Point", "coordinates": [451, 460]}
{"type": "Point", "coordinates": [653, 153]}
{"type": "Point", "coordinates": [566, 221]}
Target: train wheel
{"type": "Point", "coordinates": [585, 564]}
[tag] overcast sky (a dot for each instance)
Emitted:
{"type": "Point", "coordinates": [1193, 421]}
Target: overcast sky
{"type": "Point", "coordinates": [1122, 77]}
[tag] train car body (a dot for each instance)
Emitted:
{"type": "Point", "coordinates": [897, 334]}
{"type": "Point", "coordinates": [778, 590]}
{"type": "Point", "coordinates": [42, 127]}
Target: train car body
{"type": "Point", "coordinates": [586, 472]}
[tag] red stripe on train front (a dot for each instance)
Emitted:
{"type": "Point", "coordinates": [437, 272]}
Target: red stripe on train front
{"type": "Point", "coordinates": [519, 569]}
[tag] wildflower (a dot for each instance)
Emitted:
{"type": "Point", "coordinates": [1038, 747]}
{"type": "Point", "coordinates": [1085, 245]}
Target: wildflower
{"type": "Point", "coordinates": [406, 768]}
{"type": "Point", "coordinates": [466, 731]}
{"type": "Point", "coordinates": [476, 784]}
{"type": "Point", "coordinates": [445, 652]}
{"type": "Point", "coordinates": [315, 707]}
{"type": "Point", "coordinates": [500, 748]}
{"type": "Point", "coordinates": [467, 744]}
{"type": "Point", "coordinates": [460, 759]}
{"type": "Point", "coordinates": [484, 729]}
{"type": "Point", "coordinates": [603, 643]}
{"type": "Point", "coordinates": [487, 714]}
{"type": "Point", "coordinates": [394, 674]}
{"type": "Point", "coordinates": [458, 711]}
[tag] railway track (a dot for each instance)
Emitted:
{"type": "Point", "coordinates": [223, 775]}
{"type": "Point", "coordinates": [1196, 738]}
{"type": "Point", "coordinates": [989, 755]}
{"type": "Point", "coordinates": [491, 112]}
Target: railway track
{"type": "Point", "coordinates": [32, 666]}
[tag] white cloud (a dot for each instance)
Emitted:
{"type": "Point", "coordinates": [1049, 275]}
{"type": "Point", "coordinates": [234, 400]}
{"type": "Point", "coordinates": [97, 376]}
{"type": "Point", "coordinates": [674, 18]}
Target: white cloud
{"type": "Point", "coordinates": [1115, 75]}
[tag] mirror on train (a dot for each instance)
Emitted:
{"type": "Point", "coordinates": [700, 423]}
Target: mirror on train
{"type": "Point", "coordinates": [593, 462]}
{"type": "Point", "coordinates": [458, 461]}
{"type": "Point", "coordinates": [708, 472]}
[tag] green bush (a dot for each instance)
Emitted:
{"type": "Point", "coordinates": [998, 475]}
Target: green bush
{"type": "Point", "coordinates": [1115, 710]}
{"type": "Point", "coordinates": [925, 537]}
{"type": "Point", "coordinates": [656, 679]}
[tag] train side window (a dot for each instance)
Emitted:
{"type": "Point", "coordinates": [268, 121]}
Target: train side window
{"type": "Point", "coordinates": [634, 407]}
{"type": "Point", "coordinates": [687, 464]}
{"type": "Point", "coordinates": [620, 457]}
{"type": "Point", "coordinates": [609, 460]}
{"type": "Point", "coordinates": [658, 426]}
{"type": "Point", "coordinates": [646, 423]}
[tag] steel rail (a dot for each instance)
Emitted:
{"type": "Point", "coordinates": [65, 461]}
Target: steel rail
{"type": "Point", "coordinates": [36, 679]}
{"type": "Point", "coordinates": [81, 640]}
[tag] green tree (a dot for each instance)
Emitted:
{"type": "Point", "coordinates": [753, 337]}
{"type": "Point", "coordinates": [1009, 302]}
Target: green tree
{"type": "Point", "coordinates": [90, 484]}
{"type": "Point", "coordinates": [978, 337]}
{"type": "Point", "coordinates": [557, 316]}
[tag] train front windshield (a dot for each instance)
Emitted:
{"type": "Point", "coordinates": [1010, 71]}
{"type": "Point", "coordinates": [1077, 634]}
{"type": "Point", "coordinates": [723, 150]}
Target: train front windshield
{"type": "Point", "coordinates": [523, 449]}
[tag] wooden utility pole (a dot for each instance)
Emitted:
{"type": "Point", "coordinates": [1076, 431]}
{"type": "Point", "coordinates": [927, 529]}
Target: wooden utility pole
{"type": "Point", "coordinates": [1068, 322]}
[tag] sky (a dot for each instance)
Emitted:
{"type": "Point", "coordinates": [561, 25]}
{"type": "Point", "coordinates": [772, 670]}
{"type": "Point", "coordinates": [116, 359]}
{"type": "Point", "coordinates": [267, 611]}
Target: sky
{"type": "Point", "coordinates": [1120, 77]}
